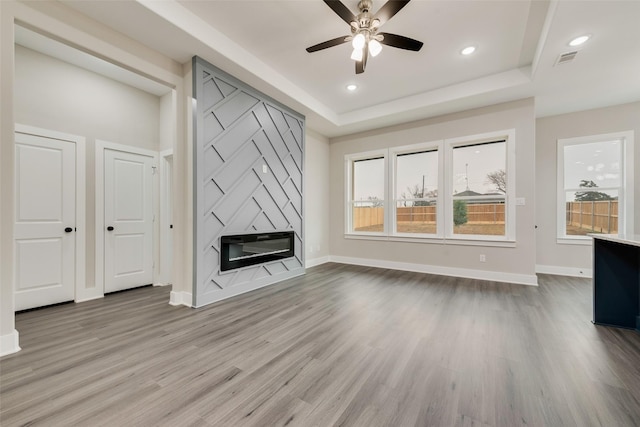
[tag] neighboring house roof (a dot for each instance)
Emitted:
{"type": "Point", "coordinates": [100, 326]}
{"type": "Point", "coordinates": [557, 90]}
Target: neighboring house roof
{"type": "Point", "coordinates": [467, 193]}
{"type": "Point", "coordinates": [471, 193]}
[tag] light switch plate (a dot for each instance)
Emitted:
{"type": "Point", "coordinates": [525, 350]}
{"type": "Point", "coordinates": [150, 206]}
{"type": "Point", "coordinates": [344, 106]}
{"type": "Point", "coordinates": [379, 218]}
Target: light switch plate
{"type": "Point", "coordinates": [520, 201]}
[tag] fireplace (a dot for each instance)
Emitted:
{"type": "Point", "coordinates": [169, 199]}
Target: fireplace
{"type": "Point", "coordinates": [242, 250]}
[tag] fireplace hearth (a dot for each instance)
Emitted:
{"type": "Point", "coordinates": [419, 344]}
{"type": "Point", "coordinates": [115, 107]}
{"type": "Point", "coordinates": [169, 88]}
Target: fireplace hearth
{"type": "Point", "coordinates": [242, 250]}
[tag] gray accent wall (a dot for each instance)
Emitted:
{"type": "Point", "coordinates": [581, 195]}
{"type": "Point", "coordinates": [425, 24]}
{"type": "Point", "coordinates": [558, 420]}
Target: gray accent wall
{"type": "Point", "coordinates": [239, 133]}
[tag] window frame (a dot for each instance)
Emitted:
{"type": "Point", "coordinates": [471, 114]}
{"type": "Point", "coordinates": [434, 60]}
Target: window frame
{"type": "Point", "coordinates": [509, 198]}
{"type": "Point", "coordinates": [444, 200]}
{"type": "Point", "coordinates": [350, 159]}
{"type": "Point", "coordinates": [625, 191]}
{"type": "Point", "coordinates": [394, 152]}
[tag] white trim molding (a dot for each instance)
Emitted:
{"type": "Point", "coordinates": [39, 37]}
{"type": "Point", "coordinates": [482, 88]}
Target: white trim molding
{"type": "Point", "coordinates": [316, 261]}
{"type": "Point", "coordinates": [165, 224]}
{"type": "Point", "coordinates": [9, 343]}
{"type": "Point", "coordinates": [90, 298]}
{"type": "Point", "coordinates": [625, 188]}
{"type": "Point", "coordinates": [467, 273]}
{"type": "Point", "coordinates": [349, 161]}
{"type": "Point", "coordinates": [82, 290]}
{"type": "Point", "coordinates": [444, 201]}
{"type": "Point", "coordinates": [180, 298]}
{"type": "Point", "coordinates": [100, 147]}
{"type": "Point", "coordinates": [565, 271]}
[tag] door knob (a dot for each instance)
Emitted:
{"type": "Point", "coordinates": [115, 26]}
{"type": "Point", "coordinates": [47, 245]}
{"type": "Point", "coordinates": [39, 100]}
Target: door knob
{"type": "Point", "coordinates": [68, 230]}
{"type": "Point", "coordinates": [109, 228]}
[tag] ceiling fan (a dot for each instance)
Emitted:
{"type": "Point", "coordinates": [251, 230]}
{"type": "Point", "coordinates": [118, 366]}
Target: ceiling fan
{"type": "Point", "coordinates": [365, 38]}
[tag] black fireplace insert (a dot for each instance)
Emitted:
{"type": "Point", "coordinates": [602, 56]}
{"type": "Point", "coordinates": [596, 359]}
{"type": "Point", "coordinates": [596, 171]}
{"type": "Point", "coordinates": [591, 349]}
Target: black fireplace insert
{"type": "Point", "coordinates": [242, 250]}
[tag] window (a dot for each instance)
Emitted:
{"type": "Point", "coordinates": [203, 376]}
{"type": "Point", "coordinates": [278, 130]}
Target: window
{"type": "Point", "coordinates": [366, 193]}
{"type": "Point", "coordinates": [479, 183]}
{"type": "Point", "coordinates": [416, 191]}
{"type": "Point", "coordinates": [595, 193]}
{"type": "Point", "coordinates": [460, 189]}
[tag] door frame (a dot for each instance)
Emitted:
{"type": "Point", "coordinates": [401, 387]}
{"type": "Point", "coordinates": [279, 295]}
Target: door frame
{"type": "Point", "coordinates": [166, 206]}
{"type": "Point", "coordinates": [81, 291]}
{"type": "Point", "coordinates": [101, 146]}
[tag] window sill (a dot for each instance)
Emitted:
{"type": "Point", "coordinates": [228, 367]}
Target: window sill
{"type": "Point", "coordinates": [434, 240]}
{"type": "Point", "coordinates": [579, 241]}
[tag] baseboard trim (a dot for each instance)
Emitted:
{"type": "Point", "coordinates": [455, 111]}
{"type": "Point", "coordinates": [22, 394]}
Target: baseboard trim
{"type": "Point", "coordinates": [84, 293]}
{"type": "Point", "coordinates": [161, 284]}
{"type": "Point", "coordinates": [9, 343]}
{"type": "Point", "coordinates": [246, 287]}
{"type": "Point", "coordinates": [90, 298]}
{"type": "Point", "coordinates": [496, 276]}
{"type": "Point", "coordinates": [565, 271]}
{"type": "Point", "coordinates": [316, 261]}
{"type": "Point", "coordinates": [180, 298]}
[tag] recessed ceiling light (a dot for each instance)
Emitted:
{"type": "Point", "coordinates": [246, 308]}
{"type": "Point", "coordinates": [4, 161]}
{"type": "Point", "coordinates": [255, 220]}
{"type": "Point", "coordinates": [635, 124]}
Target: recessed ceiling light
{"type": "Point", "coordinates": [351, 87]}
{"type": "Point", "coordinates": [579, 40]}
{"type": "Point", "coordinates": [468, 50]}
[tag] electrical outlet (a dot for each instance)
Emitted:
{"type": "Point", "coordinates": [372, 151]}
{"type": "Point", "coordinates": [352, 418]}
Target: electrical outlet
{"type": "Point", "coordinates": [483, 258]}
{"type": "Point", "coordinates": [264, 169]}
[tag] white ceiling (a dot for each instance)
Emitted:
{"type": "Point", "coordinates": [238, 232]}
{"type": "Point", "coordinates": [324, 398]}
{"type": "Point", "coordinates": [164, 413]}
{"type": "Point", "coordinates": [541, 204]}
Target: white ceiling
{"type": "Point", "coordinates": [518, 41]}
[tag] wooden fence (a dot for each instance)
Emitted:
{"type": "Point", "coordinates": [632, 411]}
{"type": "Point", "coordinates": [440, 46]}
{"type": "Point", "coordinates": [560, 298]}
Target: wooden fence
{"type": "Point", "coordinates": [477, 213]}
{"type": "Point", "coordinates": [600, 216]}
{"type": "Point", "coordinates": [367, 217]}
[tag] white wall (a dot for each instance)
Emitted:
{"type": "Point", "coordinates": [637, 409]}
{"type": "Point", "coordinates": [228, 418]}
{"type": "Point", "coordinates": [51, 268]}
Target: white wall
{"type": "Point", "coordinates": [316, 198]}
{"type": "Point", "coordinates": [563, 258]}
{"type": "Point", "coordinates": [509, 264]}
{"type": "Point", "coordinates": [55, 95]}
{"type": "Point", "coordinates": [66, 25]}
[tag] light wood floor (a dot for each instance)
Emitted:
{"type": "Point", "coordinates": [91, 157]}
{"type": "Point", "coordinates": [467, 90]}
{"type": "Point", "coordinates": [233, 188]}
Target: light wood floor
{"type": "Point", "coordinates": [342, 345]}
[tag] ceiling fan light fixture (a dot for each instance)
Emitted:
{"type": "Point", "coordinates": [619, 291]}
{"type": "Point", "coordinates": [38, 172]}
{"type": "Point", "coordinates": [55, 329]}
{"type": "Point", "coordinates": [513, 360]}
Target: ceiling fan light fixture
{"type": "Point", "coordinates": [364, 37]}
{"type": "Point", "coordinates": [375, 47]}
{"type": "Point", "coordinates": [358, 41]}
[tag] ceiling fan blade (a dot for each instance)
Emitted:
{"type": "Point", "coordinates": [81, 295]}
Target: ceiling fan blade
{"type": "Point", "coordinates": [361, 65]}
{"type": "Point", "coordinates": [341, 10]}
{"type": "Point", "coordinates": [329, 43]}
{"type": "Point", "coordinates": [389, 9]}
{"type": "Point", "coordinates": [401, 42]}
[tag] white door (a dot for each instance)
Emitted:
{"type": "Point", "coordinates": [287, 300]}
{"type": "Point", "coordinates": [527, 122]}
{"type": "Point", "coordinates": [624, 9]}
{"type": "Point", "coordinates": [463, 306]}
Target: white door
{"type": "Point", "coordinates": [44, 228]}
{"type": "Point", "coordinates": [128, 220]}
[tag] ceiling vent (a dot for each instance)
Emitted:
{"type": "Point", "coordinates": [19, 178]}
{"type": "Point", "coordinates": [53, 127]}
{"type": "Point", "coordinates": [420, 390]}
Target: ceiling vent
{"type": "Point", "coordinates": [566, 57]}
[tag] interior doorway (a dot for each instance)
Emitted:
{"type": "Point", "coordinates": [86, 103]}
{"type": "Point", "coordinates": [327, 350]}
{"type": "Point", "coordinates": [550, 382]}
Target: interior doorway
{"type": "Point", "coordinates": [165, 271]}
{"type": "Point", "coordinates": [66, 90]}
